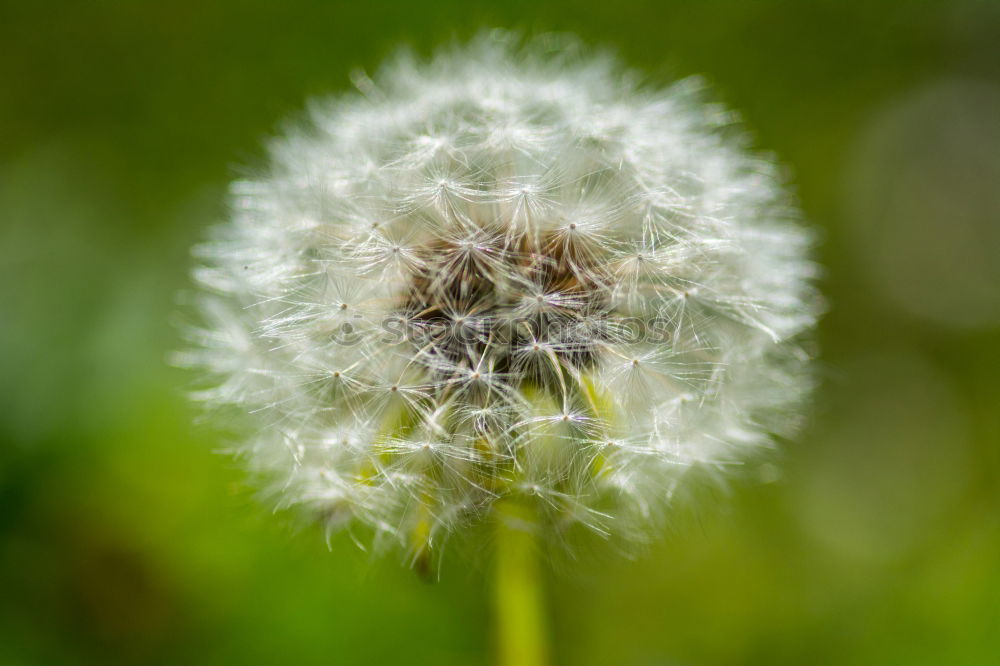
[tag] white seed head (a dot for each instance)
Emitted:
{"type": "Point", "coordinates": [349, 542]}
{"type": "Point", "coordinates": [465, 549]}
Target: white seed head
{"type": "Point", "coordinates": [511, 272]}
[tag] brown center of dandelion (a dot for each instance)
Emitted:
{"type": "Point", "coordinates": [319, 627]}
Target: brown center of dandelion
{"type": "Point", "coordinates": [518, 307]}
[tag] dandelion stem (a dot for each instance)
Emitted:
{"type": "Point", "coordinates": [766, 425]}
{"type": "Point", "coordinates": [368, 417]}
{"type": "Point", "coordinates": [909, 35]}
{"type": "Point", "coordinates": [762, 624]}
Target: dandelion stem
{"type": "Point", "coordinates": [521, 627]}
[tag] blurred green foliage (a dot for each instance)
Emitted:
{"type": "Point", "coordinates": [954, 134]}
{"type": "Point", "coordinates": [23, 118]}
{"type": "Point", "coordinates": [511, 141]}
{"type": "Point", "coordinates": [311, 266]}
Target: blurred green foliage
{"type": "Point", "coordinates": [125, 538]}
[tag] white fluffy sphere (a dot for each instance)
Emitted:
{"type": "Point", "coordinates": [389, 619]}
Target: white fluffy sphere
{"type": "Point", "coordinates": [506, 273]}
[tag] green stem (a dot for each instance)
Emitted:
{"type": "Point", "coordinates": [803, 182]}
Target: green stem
{"type": "Point", "coordinates": [521, 627]}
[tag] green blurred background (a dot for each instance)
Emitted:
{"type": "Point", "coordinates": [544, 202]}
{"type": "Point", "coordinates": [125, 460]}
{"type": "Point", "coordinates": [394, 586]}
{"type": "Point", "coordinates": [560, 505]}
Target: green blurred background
{"type": "Point", "coordinates": [124, 538]}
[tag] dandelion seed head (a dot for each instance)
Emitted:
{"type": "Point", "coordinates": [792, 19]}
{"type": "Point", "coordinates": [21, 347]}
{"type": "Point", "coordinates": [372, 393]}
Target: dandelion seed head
{"type": "Point", "coordinates": [506, 272]}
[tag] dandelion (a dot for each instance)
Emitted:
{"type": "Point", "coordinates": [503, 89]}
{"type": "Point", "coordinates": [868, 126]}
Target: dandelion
{"type": "Point", "coordinates": [509, 284]}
